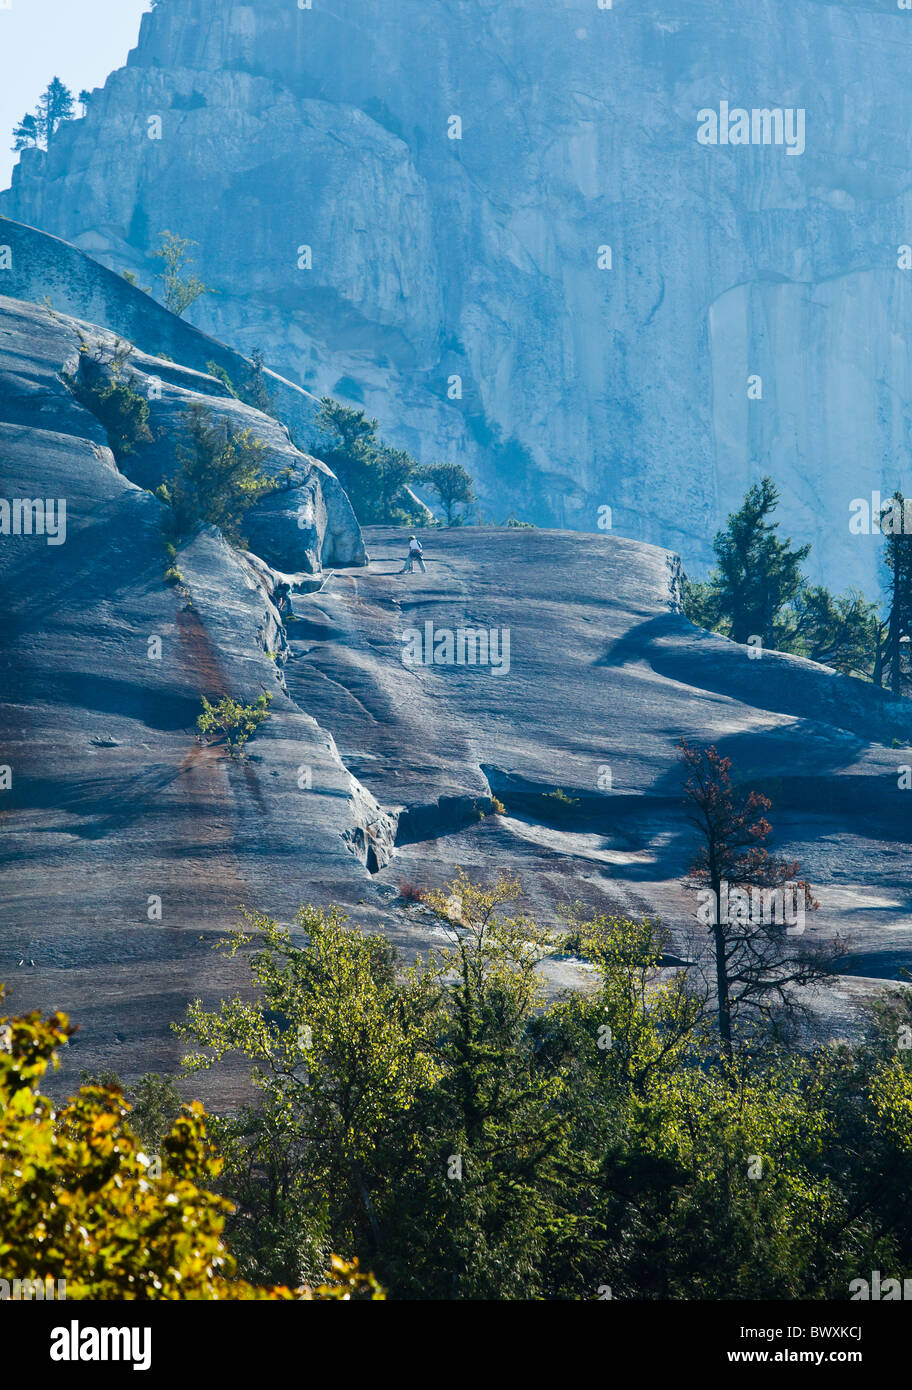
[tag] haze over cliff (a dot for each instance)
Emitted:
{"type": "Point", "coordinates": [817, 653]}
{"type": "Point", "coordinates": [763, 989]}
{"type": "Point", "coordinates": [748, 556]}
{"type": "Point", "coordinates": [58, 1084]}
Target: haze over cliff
{"type": "Point", "coordinates": [435, 258]}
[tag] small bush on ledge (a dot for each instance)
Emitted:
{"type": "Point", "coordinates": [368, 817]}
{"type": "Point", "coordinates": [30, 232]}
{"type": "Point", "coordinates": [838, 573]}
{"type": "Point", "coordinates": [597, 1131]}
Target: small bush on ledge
{"type": "Point", "coordinates": [558, 804]}
{"type": "Point", "coordinates": [101, 385]}
{"type": "Point", "coordinates": [232, 720]}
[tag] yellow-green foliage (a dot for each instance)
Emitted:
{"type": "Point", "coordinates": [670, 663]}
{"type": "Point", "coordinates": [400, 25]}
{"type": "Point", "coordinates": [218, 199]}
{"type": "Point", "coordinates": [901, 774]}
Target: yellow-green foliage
{"type": "Point", "coordinates": [78, 1199]}
{"type": "Point", "coordinates": [890, 1094]}
{"type": "Point", "coordinates": [232, 719]}
{"type": "Point", "coordinates": [471, 1139]}
{"type": "Point", "coordinates": [347, 1017]}
{"type": "Point", "coordinates": [493, 945]}
{"type": "Point", "coordinates": [180, 289]}
{"type": "Point", "coordinates": [558, 804]}
{"type": "Point", "coordinates": [101, 384]}
{"type": "Point", "coordinates": [370, 1076]}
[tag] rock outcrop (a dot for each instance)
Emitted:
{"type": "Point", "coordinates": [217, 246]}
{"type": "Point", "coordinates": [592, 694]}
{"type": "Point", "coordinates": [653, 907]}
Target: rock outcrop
{"type": "Point", "coordinates": [121, 830]}
{"type": "Point", "coordinates": [48, 271]}
{"type": "Point", "coordinates": [435, 258]}
{"type": "Point", "coordinates": [306, 522]}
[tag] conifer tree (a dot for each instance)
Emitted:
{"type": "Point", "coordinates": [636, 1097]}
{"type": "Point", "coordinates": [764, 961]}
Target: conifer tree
{"type": "Point", "coordinates": [898, 560]}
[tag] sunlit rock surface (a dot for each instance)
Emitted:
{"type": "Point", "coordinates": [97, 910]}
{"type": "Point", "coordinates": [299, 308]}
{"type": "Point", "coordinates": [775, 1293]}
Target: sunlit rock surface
{"type": "Point", "coordinates": [605, 677]}
{"type": "Point", "coordinates": [125, 840]}
{"type": "Point", "coordinates": [128, 846]}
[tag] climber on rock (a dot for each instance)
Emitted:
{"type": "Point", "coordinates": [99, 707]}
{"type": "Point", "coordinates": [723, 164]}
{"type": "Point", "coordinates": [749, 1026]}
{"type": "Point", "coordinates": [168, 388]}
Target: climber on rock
{"type": "Point", "coordinates": [414, 553]}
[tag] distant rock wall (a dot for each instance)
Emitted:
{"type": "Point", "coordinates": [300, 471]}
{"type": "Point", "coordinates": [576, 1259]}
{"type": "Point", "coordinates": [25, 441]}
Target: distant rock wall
{"type": "Point", "coordinates": [435, 258]}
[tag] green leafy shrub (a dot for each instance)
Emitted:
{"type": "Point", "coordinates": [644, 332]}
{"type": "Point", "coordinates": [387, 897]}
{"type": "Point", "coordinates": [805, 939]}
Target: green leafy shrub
{"type": "Point", "coordinates": [230, 719]}
{"type": "Point", "coordinates": [180, 289]}
{"type": "Point", "coordinates": [131, 279]}
{"type": "Point", "coordinates": [101, 384]}
{"type": "Point", "coordinates": [254, 391]}
{"type": "Point", "coordinates": [219, 479]}
{"type": "Point", "coordinates": [558, 804]}
{"type": "Point", "coordinates": [221, 375]}
{"type": "Point", "coordinates": [78, 1201]}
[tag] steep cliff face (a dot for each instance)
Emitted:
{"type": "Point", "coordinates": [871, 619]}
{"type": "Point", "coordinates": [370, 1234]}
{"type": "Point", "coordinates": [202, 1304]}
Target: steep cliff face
{"type": "Point", "coordinates": [478, 257]}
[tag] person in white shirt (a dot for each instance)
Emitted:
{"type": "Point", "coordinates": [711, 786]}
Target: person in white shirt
{"type": "Point", "coordinates": [414, 553]}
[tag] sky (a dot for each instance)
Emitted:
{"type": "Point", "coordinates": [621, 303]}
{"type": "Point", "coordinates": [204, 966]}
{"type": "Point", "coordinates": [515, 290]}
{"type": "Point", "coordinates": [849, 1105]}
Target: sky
{"type": "Point", "coordinates": [79, 41]}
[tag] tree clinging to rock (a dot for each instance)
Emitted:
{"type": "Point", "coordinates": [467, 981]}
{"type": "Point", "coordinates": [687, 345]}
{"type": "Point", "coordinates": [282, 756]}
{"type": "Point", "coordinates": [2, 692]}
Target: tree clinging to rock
{"type": "Point", "coordinates": [55, 105]}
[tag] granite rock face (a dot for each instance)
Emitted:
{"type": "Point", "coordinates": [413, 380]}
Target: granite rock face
{"type": "Point", "coordinates": [305, 522]}
{"type": "Point", "coordinates": [45, 270]}
{"type": "Point", "coordinates": [593, 675]}
{"type": "Point", "coordinates": [478, 258]}
{"type": "Point", "coordinates": [121, 830]}
{"type": "Point", "coordinates": [551, 672]}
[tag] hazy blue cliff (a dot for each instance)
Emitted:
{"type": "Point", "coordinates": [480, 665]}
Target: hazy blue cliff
{"type": "Point", "coordinates": [479, 258]}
